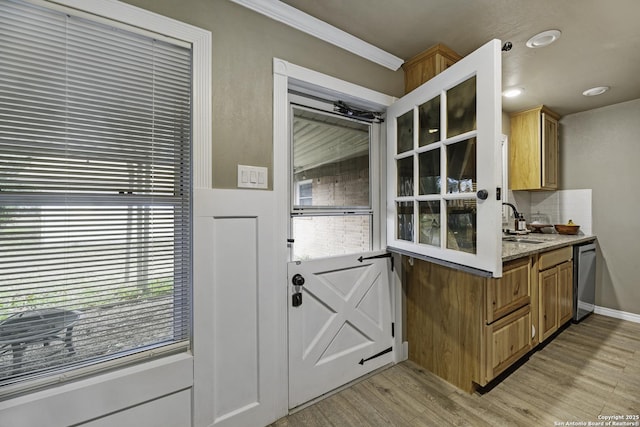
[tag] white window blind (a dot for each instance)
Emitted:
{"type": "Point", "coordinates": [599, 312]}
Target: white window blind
{"type": "Point", "coordinates": [95, 130]}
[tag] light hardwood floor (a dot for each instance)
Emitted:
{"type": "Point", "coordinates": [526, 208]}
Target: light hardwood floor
{"type": "Point", "coordinates": [591, 368]}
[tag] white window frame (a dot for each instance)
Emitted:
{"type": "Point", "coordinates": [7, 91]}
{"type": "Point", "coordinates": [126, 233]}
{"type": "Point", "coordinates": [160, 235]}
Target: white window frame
{"type": "Point", "coordinates": [374, 210]}
{"type": "Point", "coordinates": [169, 372]}
{"type": "Point", "coordinates": [299, 185]}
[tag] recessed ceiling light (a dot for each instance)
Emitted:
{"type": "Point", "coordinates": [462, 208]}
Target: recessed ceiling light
{"type": "Point", "coordinates": [595, 91]}
{"type": "Point", "coordinates": [512, 92]}
{"type": "Point", "coordinates": [543, 39]}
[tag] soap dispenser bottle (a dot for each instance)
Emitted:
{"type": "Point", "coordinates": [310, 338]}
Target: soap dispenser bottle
{"type": "Point", "coordinates": [522, 223]}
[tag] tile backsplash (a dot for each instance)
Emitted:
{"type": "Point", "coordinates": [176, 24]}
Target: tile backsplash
{"type": "Point", "coordinates": [561, 206]}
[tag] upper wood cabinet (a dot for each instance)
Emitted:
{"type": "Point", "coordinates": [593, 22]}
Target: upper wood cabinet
{"type": "Point", "coordinates": [425, 65]}
{"type": "Point", "coordinates": [533, 150]}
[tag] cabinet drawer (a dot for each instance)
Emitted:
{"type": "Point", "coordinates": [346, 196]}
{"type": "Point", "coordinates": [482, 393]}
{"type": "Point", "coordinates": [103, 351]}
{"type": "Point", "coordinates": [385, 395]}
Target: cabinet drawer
{"type": "Point", "coordinates": [508, 339]}
{"type": "Point", "coordinates": [511, 291]}
{"type": "Point", "coordinates": [555, 257]}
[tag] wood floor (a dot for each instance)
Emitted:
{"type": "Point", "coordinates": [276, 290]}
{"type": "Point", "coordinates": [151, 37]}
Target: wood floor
{"type": "Point", "coordinates": [589, 369]}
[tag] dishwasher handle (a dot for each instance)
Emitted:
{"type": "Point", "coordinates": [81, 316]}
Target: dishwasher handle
{"type": "Point", "coordinates": [589, 247]}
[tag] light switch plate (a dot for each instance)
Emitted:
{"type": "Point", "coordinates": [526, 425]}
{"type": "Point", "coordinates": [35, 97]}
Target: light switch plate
{"type": "Point", "coordinates": [252, 177]}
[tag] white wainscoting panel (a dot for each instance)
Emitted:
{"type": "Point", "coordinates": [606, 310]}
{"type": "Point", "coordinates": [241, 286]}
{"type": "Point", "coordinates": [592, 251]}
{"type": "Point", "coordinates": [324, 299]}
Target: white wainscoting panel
{"type": "Point", "coordinates": [99, 396]}
{"type": "Point", "coordinates": [235, 309]}
{"type": "Point", "coordinates": [239, 310]}
{"type": "Point", "coordinates": [170, 411]}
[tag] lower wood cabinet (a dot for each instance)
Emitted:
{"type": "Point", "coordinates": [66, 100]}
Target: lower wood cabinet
{"type": "Point", "coordinates": [507, 332]}
{"type": "Point", "coordinates": [565, 292]}
{"type": "Point", "coordinates": [555, 285]}
{"type": "Point", "coordinates": [548, 288]}
{"type": "Point", "coordinates": [511, 291]}
{"type": "Point", "coordinates": [507, 339]}
{"type": "Point", "coordinates": [468, 329]}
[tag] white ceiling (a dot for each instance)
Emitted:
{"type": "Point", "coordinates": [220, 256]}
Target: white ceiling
{"type": "Point", "coordinates": [599, 46]}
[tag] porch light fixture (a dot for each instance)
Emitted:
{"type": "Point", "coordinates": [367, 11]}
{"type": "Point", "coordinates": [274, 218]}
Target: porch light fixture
{"type": "Point", "coordinates": [594, 91]}
{"type": "Point", "coordinates": [543, 39]}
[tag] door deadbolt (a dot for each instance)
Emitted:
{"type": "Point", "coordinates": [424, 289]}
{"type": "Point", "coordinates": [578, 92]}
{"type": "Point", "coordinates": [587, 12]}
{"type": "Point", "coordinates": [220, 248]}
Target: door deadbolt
{"type": "Point", "coordinates": [297, 280]}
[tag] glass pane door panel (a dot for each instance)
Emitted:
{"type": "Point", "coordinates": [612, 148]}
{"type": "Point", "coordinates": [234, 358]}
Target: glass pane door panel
{"type": "Point", "coordinates": [461, 108]}
{"type": "Point", "coordinates": [461, 167]}
{"type": "Point", "coordinates": [429, 222]}
{"type": "Point", "coordinates": [326, 236]}
{"type": "Point", "coordinates": [404, 125]}
{"type": "Point", "coordinates": [330, 160]}
{"type": "Point", "coordinates": [429, 172]}
{"type": "Point", "coordinates": [405, 221]}
{"type": "Point", "coordinates": [437, 165]}
{"type": "Point", "coordinates": [405, 177]}
{"type": "Point", "coordinates": [429, 120]}
{"type": "Point", "coordinates": [461, 222]}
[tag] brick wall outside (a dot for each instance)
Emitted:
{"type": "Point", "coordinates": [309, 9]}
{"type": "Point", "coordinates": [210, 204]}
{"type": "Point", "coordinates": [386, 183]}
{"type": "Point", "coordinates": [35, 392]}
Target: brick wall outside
{"type": "Point", "coordinates": [343, 184]}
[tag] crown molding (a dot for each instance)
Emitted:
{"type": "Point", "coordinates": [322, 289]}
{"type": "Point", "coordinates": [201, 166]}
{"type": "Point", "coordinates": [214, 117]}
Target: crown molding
{"type": "Point", "coordinates": [306, 23]}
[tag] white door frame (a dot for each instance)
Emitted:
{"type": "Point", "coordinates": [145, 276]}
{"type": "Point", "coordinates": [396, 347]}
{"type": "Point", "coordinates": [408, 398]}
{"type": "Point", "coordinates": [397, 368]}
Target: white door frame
{"type": "Point", "coordinates": [288, 76]}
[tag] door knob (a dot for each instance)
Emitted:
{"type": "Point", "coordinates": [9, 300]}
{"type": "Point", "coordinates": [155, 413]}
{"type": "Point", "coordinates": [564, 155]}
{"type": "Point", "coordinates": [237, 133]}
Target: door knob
{"type": "Point", "coordinates": [296, 297]}
{"type": "Point", "coordinates": [297, 280]}
{"type": "Point", "coordinates": [482, 194]}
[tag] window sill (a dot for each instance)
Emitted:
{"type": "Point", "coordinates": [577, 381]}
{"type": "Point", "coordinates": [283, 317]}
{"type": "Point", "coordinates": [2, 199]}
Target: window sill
{"type": "Point", "coordinates": [100, 395]}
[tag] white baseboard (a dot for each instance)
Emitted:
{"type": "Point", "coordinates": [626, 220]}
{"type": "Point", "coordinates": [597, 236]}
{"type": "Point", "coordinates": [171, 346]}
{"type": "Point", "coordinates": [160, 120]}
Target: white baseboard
{"type": "Point", "coordinates": [624, 315]}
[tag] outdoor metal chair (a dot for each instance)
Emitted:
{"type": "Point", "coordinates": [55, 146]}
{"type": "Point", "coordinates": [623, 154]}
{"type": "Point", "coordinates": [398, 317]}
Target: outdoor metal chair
{"type": "Point", "coordinates": [37, 326]}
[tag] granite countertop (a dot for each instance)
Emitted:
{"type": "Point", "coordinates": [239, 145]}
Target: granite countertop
{"type": "Point", "coordinates": [513, 250]}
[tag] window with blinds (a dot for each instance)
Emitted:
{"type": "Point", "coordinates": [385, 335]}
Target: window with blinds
{"type": "Point", "coordinates": [95, 229]}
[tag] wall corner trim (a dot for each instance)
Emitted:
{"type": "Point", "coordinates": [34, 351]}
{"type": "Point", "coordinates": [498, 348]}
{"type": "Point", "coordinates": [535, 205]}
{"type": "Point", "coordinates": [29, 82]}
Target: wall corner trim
{"type": "Point", "coordinates": [299, 20]}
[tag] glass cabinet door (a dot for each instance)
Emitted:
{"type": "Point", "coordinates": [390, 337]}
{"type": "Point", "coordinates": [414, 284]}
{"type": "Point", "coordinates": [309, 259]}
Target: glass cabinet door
{"type": "Point", "coordinates": [442, 151]}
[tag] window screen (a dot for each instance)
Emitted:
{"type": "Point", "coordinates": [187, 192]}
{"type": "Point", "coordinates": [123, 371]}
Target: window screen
{"type": "Point", "coordinates": [95, 228]}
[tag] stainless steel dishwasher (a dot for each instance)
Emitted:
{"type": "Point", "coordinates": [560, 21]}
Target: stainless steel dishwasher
{"type": "Point", "coordinates": [584, 280]}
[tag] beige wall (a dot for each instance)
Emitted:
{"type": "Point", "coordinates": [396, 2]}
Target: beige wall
{"type": "Point", "coordinates": [244, 44]}
{"type": "Point", "coordinates": [600, 149]}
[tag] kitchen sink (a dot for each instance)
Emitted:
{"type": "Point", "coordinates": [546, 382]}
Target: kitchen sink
{"type": "Point", "coordinates": [521, 240]}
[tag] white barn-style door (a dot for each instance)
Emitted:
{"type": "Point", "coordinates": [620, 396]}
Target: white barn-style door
{"type": "Point", "coordinates": [341, 326]}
